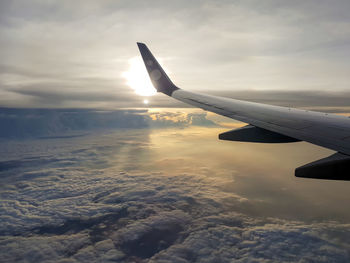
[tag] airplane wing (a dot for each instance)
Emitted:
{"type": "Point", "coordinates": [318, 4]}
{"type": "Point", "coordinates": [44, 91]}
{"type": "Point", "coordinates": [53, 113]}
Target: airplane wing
{"type": "Point", "coordinates": [269, 124]}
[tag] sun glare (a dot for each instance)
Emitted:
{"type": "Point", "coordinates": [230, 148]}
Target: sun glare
{"type": "Point", "coordinates": [137, 78]}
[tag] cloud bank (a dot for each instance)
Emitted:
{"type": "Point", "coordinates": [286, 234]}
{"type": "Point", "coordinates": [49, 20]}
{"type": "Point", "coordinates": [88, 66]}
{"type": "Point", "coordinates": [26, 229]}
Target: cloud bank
{"type": "Point", "coordinates": [120, 197]}
{"type": "Point", "coordinates": [50, 123]}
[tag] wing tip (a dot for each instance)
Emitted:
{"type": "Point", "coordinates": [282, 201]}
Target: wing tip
{"type": "Point", "coordinates": [159, 78]}
{"type": "Point", "coordinates": [140, 44]}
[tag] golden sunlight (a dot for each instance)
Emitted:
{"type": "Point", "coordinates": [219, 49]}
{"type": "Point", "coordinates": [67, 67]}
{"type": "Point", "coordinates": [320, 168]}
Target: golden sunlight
{"type": "Point", "coordinates": [137, 78]}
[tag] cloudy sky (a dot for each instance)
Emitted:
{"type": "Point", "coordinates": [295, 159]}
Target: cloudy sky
{"type": "Point", "coordinates": [75, 54]}
{"type": "Point", "coordinates": [90, 173]}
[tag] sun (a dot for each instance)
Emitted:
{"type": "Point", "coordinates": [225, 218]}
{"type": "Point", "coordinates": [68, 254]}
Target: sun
{"type": "Point", "coordinates": [137, 78]}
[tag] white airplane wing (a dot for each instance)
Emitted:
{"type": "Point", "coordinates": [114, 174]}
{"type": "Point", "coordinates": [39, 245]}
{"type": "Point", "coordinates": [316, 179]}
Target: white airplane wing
{"type": "Point", "coordinates": [269, 124]}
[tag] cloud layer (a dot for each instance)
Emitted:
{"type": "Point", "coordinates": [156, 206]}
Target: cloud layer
{"type": "Point", "coordinates": [151, 196]}
{"type": "Point", "coordinates": [55, 123]}
{"type": "Point", "coordinates": [68, 54]}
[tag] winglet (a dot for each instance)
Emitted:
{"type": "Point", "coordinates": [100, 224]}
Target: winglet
{"type": "Point", "coordinates": [159, 78]}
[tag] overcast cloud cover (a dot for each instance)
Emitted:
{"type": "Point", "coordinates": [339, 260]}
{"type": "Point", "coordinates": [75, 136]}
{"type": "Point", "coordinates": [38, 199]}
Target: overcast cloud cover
{"type": "Point", "coordinates": [73, 54]}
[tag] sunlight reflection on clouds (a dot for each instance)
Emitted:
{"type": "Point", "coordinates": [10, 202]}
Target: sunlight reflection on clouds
{"type": "Point", "coordinates": [167, 194]}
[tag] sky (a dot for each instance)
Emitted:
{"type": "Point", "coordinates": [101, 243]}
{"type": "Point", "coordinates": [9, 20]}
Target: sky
{"type": "Point", "coordinates": [90, 172]}
{"type": "Point", "coordinates": [75, 54]}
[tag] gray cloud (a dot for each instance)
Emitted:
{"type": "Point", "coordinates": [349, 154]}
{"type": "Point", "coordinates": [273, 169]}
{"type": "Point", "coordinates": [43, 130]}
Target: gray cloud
{"type": "Point", "coordinates": [56, 123]}
{"type": "Point", "coordinates": [224, 45]}
{"type": "Point", "coordinates": [58, 95]}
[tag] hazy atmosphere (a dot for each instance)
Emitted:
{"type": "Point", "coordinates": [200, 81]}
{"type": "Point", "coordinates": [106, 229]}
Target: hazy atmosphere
{"type": "Point", "coordinates": [75, 54]}
{"type": "Point", "coordinates": [96, 167]}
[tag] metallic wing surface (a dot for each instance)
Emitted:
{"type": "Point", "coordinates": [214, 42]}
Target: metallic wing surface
{"type": "Point", "coordinates": [269, 124]}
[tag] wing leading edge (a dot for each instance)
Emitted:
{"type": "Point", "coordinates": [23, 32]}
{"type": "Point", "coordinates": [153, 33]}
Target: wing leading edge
{"type": "Point", "coordinates": [268, 123]}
